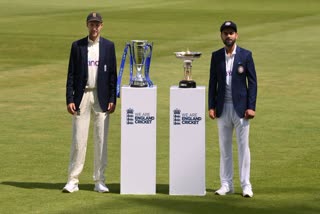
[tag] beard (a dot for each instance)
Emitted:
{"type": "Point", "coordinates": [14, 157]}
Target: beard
{"type": "Point", "coordinates": [229, 42]}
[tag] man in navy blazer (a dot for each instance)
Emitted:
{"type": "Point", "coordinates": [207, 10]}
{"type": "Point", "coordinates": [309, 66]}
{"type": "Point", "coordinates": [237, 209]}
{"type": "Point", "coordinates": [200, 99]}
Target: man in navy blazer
{"type": "Point", "coordinates": [232, 99]}
{"type": "Point", "coordinates": [91, 87]}
{"type": "Point", "coordinates": [78, 74]}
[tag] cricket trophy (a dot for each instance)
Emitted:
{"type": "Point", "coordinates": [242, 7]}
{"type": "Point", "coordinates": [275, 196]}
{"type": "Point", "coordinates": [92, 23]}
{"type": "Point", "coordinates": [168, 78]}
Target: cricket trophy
{"type": "Point", "coordinates": [140, 52]}
{"type": "Point", "coordinates": [187, 58]}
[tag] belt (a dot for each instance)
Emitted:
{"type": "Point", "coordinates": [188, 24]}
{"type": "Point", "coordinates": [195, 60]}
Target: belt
{"type": "Point", "coordinates": [89, 89]}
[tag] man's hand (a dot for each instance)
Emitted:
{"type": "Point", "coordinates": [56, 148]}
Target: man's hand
{"type": "Point", "coordinates": [249, 114]}
{"type": "Point", "coordinates": [212, 114]}
{"type": "Point", "coordinates": [111, 108]}
{"type": "Point", "coordinates": [71, 107]}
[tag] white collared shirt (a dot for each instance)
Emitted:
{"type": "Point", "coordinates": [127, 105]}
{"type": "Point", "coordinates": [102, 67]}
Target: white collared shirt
{"type": "Point", "coordinates": [229, 67]}
{"type": "Point", "coordinates": [93, 62]}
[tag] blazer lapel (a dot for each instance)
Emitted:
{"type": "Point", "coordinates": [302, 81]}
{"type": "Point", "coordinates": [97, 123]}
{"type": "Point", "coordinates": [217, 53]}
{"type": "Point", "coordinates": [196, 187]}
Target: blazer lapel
{"type": "Point", "coordinates": [223, 64]}
{"type": "Point", "coordinates": [84, 55]}
{"type": "Point", "coordinates": [236, 61]}
{"type": "Point", "coordinates": [102, 54]}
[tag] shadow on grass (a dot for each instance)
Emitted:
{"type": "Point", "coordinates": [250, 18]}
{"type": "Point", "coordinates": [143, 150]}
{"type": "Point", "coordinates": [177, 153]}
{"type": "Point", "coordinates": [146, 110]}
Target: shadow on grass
{"type": "Point", "coordinates": [113, 187]}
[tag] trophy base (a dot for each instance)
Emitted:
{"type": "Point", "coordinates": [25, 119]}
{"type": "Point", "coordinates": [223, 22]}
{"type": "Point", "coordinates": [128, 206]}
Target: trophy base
{"type": "Point", "coordinates": [187, 84]}
{"type": "Point", "coordinates": [139, 84]}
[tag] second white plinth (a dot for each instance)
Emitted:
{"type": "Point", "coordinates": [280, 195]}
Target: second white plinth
{"type": "Point", "coordinates": [187, 141]}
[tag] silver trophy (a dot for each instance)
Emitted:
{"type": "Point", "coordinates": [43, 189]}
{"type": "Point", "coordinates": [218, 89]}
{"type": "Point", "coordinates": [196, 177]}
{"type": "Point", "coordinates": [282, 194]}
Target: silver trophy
{"type": "Point", "coordinates": [187, 58]}
{"type": "Point", "coordinates": [140, 50]}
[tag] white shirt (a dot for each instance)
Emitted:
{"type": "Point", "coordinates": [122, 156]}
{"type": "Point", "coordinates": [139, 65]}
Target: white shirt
{"type": "Point", "coordinates": [93, 62]}
{"type": "Point", "coordinates": [229, 67]}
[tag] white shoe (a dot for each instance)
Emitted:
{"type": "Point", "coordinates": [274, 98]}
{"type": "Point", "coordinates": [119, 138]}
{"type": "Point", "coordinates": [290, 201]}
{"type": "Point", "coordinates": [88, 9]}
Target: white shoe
{"type": "Point", "coordinates": [70, 188]}
{"type": "Point", "coordinates": [247, 192]}
{"type": "Point", "coordinates": [224, 189]}
{"type": "Point", "coordinates": [100, 187]}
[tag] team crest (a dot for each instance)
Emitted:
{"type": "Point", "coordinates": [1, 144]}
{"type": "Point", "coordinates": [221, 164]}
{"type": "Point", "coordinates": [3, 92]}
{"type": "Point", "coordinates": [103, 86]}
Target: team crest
{"type": "Point", "coordinates": [240, 68]}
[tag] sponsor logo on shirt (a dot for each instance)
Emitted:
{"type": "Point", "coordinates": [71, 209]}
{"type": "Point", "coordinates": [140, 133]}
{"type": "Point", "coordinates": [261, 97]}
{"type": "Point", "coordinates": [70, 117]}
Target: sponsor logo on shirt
{"type": "Point", "coordinates": [93, 62]}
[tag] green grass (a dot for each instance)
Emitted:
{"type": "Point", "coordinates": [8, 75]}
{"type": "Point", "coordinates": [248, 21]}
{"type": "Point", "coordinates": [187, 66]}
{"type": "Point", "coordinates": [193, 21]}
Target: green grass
{"type": "Point", "coordinates": [36, 129]}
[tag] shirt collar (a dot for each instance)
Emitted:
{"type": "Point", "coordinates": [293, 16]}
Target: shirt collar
{"type": "Point", "coordinates": [93, 42]}
{"type": "Point", "coordinates": [233, 52]}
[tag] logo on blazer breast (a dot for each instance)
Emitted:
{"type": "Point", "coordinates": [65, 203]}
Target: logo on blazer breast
{"type": "Point", "coordinates": [240, 68]}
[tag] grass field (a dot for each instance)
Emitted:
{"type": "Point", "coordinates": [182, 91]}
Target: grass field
{"type": "Point", "coordinates": [35, 127]}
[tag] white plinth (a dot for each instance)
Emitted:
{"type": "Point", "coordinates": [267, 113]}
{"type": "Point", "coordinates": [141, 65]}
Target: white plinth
{"type": "Point", "coordinates": [138, 140]}
{"type": "Point", "coordinates": [187, 141]}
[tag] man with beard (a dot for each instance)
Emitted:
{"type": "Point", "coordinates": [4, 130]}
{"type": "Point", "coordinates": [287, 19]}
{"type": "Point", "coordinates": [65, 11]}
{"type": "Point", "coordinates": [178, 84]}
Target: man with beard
{"type": "Point", "coordinates": [232, 100]}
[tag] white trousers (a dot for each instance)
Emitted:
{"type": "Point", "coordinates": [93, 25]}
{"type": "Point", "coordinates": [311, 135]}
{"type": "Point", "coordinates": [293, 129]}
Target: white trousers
{"type": "Point", "coordinates": [81, 122]}
{"type": "Point", "coordinates": [228, 121]}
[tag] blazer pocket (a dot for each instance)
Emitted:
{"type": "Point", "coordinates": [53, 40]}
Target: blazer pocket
{"type": "Point", "coordinates": [242, 96]}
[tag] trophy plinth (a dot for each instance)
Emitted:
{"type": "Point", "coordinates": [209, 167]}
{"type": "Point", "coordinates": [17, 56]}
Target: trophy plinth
{"type": "Point", "coordinates": [139, 52]}
{"type": "Point", "coordinates": [187, 58]}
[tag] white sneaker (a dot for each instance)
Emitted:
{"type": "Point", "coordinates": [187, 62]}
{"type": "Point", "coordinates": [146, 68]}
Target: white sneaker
{"type": "Point", "coordinates": [247, 192]}
{"type": "Point", "coordinates": [224, 189]}
{"type": "Point", "coordinates": [70, 188]}
{"type": "Point", "coordinates": [100, 187]}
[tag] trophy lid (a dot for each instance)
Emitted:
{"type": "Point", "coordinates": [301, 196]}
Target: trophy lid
{"type": "Point", "coordinates": [139, 42]}
{"type": "Point", "coordinates": [187, 54]}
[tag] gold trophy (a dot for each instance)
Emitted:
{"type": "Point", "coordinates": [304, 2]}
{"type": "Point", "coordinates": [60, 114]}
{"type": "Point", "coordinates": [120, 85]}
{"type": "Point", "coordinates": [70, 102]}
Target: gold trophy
{"type": "Point", "coordinates": [187, 58]}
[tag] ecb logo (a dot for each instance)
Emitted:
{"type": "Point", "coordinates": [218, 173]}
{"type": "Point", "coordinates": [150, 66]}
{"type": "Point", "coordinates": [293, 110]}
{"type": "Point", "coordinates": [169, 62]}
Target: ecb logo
{"type": "Point", "coordinates": [130, 116]}
{"type": "Point", "coordinates": [182, 118]}
{"type": "Point", "coordinates": [138, 118]}
{"type": "Point", "coordinates": [177, 117]}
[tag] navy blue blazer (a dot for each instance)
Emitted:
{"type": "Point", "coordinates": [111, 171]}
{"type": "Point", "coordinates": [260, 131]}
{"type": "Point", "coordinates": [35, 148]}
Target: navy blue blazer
{"type": "Point", "coordinates": [78, 73]}
{"type": "Point", "coordinates": [244, 82]}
